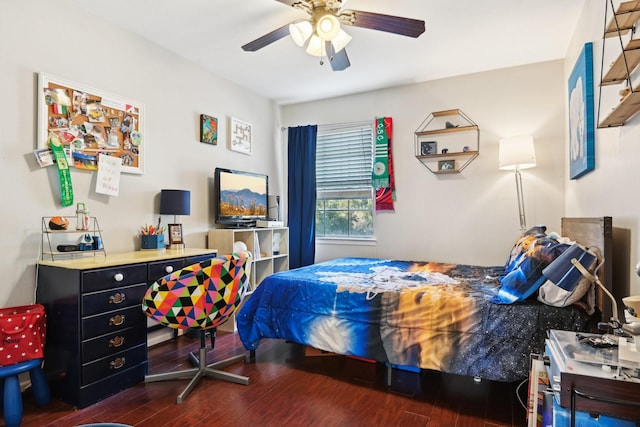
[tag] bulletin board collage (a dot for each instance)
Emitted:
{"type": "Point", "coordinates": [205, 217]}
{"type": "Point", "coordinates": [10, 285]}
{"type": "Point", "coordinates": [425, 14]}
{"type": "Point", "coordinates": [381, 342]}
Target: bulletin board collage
{"type": "Point", "coordinates": [88, 123]}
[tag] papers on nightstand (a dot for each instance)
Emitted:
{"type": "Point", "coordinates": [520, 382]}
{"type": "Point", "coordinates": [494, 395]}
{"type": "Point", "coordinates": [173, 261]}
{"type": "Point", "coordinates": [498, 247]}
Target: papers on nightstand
{"type": "Point", "coordinates": [628, 352]}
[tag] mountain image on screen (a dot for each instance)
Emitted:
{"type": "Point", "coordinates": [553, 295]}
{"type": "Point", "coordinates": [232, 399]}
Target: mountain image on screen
{"type": "Point", "coordinates": [242, 203]}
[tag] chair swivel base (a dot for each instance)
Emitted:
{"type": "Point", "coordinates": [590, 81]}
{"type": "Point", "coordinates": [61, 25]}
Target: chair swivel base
{"type": "Point", "coordinates": [202, 370]}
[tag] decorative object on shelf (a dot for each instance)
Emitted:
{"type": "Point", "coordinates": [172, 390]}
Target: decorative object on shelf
{"type": "Point", "coordinates": [454, 134]}
{"type": "Point", "coordinates": [208, 129]}
{"type": "Point", "coordinates": [82, 217]}
{"type": "Point", "coordinates": [428, 148]}
{"type": "Point", "coordinates": [58, 223]}
{"type": "Point", "coordinates": [446, 165]}
{"type": "Point", "coordinates": [581, 120]}
{"type": "Point", "coordinates": [273, 207]}
{"type": "Point", "coordinates": [175, 202]}
{"type": "Point", "coordinates": [175, 236]}
{"type": "Point", "coordinates": [239, 246]}
{"type": "Point", "coordinates": [517, 153]}
{"type": "Point", "coordinates": [241, 136]}
{"type": "Point", "coordinates": [276, 243]}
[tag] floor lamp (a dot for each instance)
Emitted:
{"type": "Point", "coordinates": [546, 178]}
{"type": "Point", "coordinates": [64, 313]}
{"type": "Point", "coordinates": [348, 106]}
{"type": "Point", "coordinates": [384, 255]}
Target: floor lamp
{"type": "Point", "coordinates": [517, 153]}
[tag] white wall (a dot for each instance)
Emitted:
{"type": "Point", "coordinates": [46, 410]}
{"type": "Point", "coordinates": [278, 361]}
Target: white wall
{"type": "Point", "coordinates": [53, 37]}
{"type": "Point", "coordinates": [470, 217]}
{"type": "Point", "coordinates": [610, 189]}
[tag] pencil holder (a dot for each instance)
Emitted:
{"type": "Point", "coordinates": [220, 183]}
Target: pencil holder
{"type": "Point", "coordinates": [153, 241]}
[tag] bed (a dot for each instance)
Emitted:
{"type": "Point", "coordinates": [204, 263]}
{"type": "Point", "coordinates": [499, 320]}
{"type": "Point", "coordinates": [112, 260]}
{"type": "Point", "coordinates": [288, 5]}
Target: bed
{"type": "Point", "coordinates": [416, 314]}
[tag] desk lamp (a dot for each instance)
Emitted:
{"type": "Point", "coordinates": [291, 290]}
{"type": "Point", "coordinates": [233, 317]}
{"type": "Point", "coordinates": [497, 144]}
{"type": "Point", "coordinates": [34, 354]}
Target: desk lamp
{"type": "Point", "coordinates": [175, 202]}
{"type": "Point", "coordinates": [566, 271]}
{"type": "Point", "coordinates": [514, 154]}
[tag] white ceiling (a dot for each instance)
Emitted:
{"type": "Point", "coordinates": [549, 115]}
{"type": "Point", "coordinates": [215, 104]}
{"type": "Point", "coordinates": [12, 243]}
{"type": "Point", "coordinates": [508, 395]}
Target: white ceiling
{"type": "Point", "coordinates": [461, 37]}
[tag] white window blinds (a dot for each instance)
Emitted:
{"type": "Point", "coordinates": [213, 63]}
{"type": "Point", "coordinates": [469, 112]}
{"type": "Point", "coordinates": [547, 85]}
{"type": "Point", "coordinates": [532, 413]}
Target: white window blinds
{"type": "Point", "coordinates": [344, 156]}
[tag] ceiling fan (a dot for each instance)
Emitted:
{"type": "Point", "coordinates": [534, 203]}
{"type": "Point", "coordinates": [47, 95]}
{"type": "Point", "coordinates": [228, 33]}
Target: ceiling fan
{"type": "Point", "coordinates": [322, 34]}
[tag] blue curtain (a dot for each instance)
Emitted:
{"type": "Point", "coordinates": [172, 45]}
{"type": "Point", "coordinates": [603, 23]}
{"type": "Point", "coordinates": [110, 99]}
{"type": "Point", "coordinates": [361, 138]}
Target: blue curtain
{"type": "Point", "coordinates": [302, 195]}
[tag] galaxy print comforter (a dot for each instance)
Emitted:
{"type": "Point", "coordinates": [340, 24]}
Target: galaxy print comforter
{"type": "Point", "coordinates": [418, 314]}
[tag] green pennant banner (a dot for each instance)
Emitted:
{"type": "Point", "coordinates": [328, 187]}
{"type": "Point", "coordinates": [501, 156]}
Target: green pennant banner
{"type": "Point", "coordinates": [66, 188]}
{"type": "Point", "coordinates": [380, 175]}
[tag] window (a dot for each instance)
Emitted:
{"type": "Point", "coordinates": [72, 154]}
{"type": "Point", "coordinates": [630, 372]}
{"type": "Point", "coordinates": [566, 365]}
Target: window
{"type": "Point", "coordinates": [344, 156]}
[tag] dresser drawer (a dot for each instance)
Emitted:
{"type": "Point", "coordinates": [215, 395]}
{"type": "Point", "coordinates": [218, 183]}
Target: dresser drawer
{"type": "Point", "coordinates": [112, 299]}
{"type": "Point", "coordinates": [94, 392]}
{"type": "Point", "coordinates": [160, 269]}
{"type": "Point", "coordinates": [98, 280]}
{"type": "Point", "coordinates": [113, 364]}
{"type": "Point", "coordinates": [109, 344]}
{"type": "Point", "coordinates": [112, 321]}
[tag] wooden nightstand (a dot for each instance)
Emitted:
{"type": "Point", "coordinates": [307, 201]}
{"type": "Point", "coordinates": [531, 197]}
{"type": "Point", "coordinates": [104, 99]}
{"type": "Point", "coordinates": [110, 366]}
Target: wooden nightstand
{"type": "Point", "coordinates": [592, 380]}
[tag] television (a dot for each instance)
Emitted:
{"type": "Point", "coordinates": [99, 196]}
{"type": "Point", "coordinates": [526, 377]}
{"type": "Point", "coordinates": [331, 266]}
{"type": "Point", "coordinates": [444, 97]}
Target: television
{"type": "Point", "coordinates": [240, 197]}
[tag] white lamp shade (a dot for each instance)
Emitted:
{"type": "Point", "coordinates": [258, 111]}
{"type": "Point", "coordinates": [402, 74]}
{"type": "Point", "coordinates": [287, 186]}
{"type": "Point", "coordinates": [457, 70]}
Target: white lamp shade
{"type": "Point", "coordinates": [300, 32]}
{"type": "Point", "coordinates": [315, 46]}
{"type": "Point", "coordinates": [328, 27]}
{"type": "Point", "coordinates": [516, 153]}
{"type": "Point", "coordinates": [340, 41]}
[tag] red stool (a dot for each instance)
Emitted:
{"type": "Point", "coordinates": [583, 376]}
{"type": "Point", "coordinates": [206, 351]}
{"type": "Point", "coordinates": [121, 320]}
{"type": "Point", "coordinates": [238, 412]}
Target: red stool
{"type": "Point", "coordinates": [10, 389]}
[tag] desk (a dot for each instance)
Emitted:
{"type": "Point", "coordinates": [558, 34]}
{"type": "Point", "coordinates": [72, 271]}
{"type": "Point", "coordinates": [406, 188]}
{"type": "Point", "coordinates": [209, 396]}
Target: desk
{"type": "Point", "coordinates": [96, 331]}
{"type": "Point", "coordinates": [588, 380]}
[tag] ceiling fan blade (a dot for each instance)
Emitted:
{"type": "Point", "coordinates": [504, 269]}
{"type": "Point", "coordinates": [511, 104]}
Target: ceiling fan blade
{"type": "Point", "coordinates": [267, 39]}
{"type": "Point", "coordinates": [339, 61]}
{"type": "Point", "coordinates": [391, 24]}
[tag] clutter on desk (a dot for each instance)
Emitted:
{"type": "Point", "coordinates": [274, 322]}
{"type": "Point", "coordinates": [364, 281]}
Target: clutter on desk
{"type": "Point", "coordinates": [152, 236]}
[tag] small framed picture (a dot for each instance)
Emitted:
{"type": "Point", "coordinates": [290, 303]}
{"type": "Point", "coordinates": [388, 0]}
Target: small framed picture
{"type": "Point", "coordinates": [208, 129]}
{"type": "Point", "coordinates": [175, 234]}
{"type": "Point", "coordinates": [446, 165]}
{"type": "Point", "coordinates": [428, 148]}
{"type": "Point", "coordinates": [241, 136]}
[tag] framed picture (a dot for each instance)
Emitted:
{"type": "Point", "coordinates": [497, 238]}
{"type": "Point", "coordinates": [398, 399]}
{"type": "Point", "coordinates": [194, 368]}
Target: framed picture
{"type": "Point", "coordinates": [241, 136]}
{"type": "Point", "coordinates": [175, 234]}
{"type": "Point", "coordinates": [428, 148]}
{"type": "Point", "coordinates": [208, 129]}
{"type": "Point", "coordinates": [88, 121]}
{"type": "Point", "coordinates": [446, 165]}
{"type": "Point", "coordinates": [581, 117]}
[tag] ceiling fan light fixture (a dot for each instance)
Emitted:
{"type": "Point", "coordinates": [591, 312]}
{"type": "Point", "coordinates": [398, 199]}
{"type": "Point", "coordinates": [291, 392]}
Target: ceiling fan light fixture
{"type": "Point", "coordinates": [341, 41]}
{"type": "Point", "coordinates": [315, 46]}
{"type": "Point", "coordinates": [300, 32]}
{"type": "Point", "coordinates": [328, 27]}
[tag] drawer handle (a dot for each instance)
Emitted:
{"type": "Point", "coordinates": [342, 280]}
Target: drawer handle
{"type": "Point", "coordinates": [117, 298]}
{"type": "Point", "coordinates": [118, 277]}
{"type": "Point", "coordinates": [117, 363]}
{"type": "Point", "coordinates": [169, 269]}
{"type": "Point", "coordinates": [116, 320]}
{"type": "Point", "coordinates": [116, 342]}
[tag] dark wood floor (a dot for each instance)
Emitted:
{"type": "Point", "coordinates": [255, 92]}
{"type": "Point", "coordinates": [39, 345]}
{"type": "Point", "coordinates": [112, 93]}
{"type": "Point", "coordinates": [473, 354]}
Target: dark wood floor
{"type": "Point", "coordinates": [290, 389]}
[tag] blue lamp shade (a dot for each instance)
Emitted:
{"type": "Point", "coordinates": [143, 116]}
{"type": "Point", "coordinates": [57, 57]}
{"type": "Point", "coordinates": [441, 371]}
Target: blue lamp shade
{"type": "Point", "coordinates": [175, 202]}
{"type": "Point", "coordinates": [563, 272]}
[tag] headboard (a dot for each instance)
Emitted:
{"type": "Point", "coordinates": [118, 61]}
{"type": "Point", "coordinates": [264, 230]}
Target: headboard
{"type": "Point", "coordinates": [595, 232]}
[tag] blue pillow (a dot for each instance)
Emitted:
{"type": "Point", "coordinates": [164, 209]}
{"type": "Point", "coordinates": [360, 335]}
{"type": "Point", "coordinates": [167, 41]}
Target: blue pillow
{"type": "Point", "coordinates": [523, 272]}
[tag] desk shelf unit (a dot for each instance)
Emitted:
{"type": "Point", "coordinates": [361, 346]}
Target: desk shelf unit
{"type": "Point", "coordinates": [266, 260]}
{"type": "Point", "coordinates": [52, 238]}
